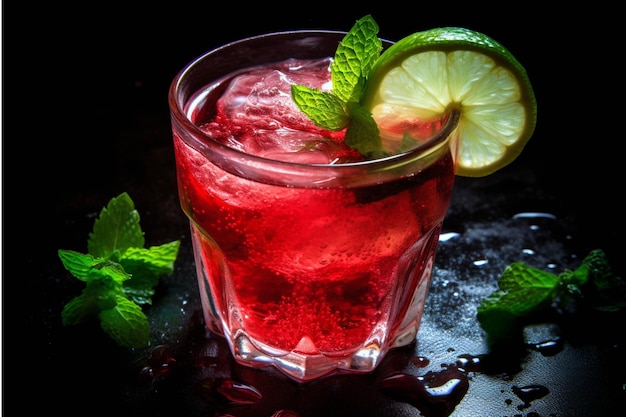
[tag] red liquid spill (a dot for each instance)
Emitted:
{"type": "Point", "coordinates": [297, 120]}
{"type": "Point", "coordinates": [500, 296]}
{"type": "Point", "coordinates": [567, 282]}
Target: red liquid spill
{"type": "Point", "coordinates": [470, 363]}
{"type": "Point", "coordinates": [420, 361]}
{"type": "Point", "coordinates": [435, 394]}
{"type": "Point", "coordinates": [226, 392]}
{"type": "Point", "coordinates": [285, 413]}
{"type": "Point", "coordinates": [159, 364]}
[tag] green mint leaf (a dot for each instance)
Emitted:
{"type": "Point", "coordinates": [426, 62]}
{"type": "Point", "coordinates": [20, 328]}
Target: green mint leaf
{"type": "Point", "coordinates": [116, 229]}
{"type": "Point", "coordinates": [325, 109]}
{"type": "Point", "coordinates": [354, 59]}
{"type": "Point", "coordinates": [340, 108]}
{"type": "Point", "coordinates": [78, 264]}
{"type": "Point", "coordinates": [104, 281]}
{"type": "Point", "coordinates": [87, 268]}
{"type": "Point", "coordinates": [573, 280]}
{"type": "Point", "coordinates": [126, 323]}
{"type": "Point", "coordinates": [363, 134]}
{"type": "Point", "coordinates": [527, 287]}
{"type": "Point", "coordinates": [157, 260]}
{"type": "Point", "coordinates": [599, 270]}
{"type": "Point", "coordinates": [407, 143]}
{"type": "Point", "coordinates": [522, 290]}
{"type": "Point", "coordinates": [120, 274]}
{"type": "Point", "coordinates": [80, 309]}
{"type": "Point", "coordinates": [604, 291]}
{"type": "Point", "coordinates": [146, 266]}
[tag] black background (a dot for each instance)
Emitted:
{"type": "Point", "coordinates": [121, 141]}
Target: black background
{"type": "Point", "coordinates": [77, 78]}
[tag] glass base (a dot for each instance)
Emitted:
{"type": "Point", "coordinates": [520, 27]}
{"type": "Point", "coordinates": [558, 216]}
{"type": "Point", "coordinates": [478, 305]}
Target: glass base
{"type": "Point", "coordinates": [306, 367]}
{"type": "Point", "coordinates": [396, 326]}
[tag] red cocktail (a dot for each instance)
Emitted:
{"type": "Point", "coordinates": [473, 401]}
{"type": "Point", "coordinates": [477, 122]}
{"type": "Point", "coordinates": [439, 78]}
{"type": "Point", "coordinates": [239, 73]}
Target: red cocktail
{"type": "Point", "coordinates": [309, 257]}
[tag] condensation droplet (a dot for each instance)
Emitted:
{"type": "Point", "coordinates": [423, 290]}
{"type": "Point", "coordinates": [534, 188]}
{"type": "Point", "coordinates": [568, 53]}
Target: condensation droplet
{"type": "Point", "coordinates": [534, 215]}
{"type": "Point", "coordinates": [444, 237]}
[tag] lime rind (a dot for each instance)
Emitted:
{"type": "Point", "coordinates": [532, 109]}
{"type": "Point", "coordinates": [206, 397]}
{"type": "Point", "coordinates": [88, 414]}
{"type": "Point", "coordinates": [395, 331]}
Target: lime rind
{"type": "Point", "coordinates": [426, 74]}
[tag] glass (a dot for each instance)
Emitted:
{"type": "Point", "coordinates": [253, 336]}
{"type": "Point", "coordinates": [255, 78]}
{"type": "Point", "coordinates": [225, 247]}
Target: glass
{"type": "Point", "coordinates": [311, 268]}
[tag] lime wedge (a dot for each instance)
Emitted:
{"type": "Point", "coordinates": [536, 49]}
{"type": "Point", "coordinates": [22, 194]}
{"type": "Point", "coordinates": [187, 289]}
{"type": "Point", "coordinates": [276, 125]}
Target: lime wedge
{"type": "Point", "coordinates": [429, 74]}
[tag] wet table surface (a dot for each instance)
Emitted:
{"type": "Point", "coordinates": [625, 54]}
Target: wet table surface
{"type": "Point", "coordinates": [187, 372]}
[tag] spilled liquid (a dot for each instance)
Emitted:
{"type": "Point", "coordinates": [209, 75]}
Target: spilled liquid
{"type": "Point", "coordinates": [434, 393]}
{"type": "Point", "coordinates": [159, 364]}
{"type": "Point", "coordinates": [530, 393]}
{"type": "Point", "coordinates": [544, 338]}
{"type": "Point", "coordinates": [227, 392]}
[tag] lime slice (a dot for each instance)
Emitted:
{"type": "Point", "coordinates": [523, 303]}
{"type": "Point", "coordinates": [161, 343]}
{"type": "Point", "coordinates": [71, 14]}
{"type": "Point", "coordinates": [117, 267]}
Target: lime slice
{"type": "Point", "coordinates": [429, 74]}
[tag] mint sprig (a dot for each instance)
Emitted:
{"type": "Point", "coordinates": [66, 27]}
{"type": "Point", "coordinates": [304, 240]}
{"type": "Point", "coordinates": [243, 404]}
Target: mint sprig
{"type": "Point", "coordinates": [341, 107]}
{"type": "Point", "coordinates": [524, 290]}
{"type": "Point", "coordinates": [119, 273]}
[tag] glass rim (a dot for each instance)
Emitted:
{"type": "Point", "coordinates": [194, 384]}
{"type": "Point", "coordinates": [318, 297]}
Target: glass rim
{"type": "Point", "coordinates": [204, 143]}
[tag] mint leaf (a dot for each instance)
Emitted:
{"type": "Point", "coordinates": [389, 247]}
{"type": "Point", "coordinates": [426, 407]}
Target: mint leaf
{"type": "Point", "coordinates": [523, 290]}
{"type": "Point", "coordinates": [104, 280]}
{"type": "Point", "coordinates": [354, 58]}
{"type": "Point", "coordinates": [120, 274]}
{"type": "Point", "coordinates": [117, 228]}
{"type": "Point", "coordinates": [87, 268]}
{"type": "Point", "coordinates": [603, 290]}
{"type": "Point", "coordinates": [79, 309]}
{"type": "Point", "coordinates": [407, 143]}
{"type": "Point", "coordinates": [126, 323]}
{"type": "Point", "coordinates": [340, 108]}
{"type": "Point", "coordinates": [600, 273]}
{"type": "Point", "coordinates": [363, 134]}
{"type": "Point", "coordinates": [146, 266]}
{"type": "Point", "coordinates": [325, 109]}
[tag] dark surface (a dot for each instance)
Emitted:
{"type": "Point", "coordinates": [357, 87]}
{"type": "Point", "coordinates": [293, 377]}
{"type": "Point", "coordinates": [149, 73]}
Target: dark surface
{"type": "Point", "coordinates": [107, 131]}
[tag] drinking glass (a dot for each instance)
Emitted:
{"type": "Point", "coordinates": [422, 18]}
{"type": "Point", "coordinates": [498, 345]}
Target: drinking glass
{"type": "Point", "coordinates": [312, 268]}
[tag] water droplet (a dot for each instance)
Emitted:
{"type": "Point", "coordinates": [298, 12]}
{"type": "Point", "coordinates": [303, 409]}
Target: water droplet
{"type": "Point", "coordinates": [530, 393]}
{"type": "Point", "coordinates": [544, 338]}
{"type": "Point", "coordinates": [444, 237]}
{"type": "Point", "coordinates": [528, 251]}
{"type": "Point", "coordinates": [534, 215]}
{"type": "Point", "coordinates": [481, 262]}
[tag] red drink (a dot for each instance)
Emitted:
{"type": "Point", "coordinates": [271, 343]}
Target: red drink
{"type": "Point", "coordinates": [308, 257]}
